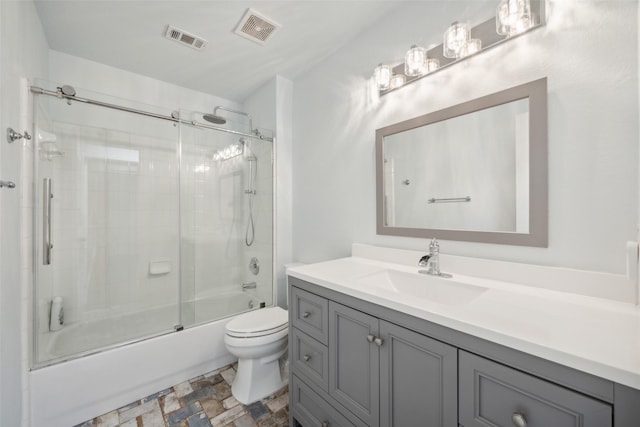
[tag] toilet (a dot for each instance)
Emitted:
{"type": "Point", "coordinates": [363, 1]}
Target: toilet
{"type": "Point", "coordinates": [258, 339]}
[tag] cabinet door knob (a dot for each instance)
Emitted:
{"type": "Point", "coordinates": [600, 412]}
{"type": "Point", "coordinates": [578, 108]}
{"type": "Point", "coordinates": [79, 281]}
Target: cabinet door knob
{"type": "Point", "coordinates": [325, 424]}
{"type": "Point", "coordinates": [306, 357]}
{"type": "Point", "coordinates": [378, 341]}
{"type": "Point", "coordinates": [518, 419]}
{"type": "Point", "coordinates": [306, 314]}
{"type": "Point", "coordinates": [370, 338]}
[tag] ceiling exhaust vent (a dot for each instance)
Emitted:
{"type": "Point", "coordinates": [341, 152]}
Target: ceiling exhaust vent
{"type": "Point", "coordinates": [256, 27]}
{"type": "Point", "coordinates": [185, 38]}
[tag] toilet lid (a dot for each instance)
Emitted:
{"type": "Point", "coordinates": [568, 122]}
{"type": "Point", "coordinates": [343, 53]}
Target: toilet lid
{"type": "Point", "coordinates": [262, 322]}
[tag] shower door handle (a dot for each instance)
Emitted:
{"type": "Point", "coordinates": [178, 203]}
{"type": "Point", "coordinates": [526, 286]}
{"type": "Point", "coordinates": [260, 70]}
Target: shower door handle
{"type": "Point", "coordinates": [47, 195]}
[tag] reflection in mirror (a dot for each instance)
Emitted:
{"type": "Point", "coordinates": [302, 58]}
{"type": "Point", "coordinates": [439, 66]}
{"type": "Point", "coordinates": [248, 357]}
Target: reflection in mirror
{"type": "Point", "coordinates": [461, 173]}
{"type": "Point", "coordinates": [475, 171]}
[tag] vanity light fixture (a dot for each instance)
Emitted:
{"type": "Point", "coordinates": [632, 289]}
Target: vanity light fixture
{"type": "Point", "coordinates": [382, 76]}
{"type": "Point", "coordinates": [513, 17]}
{"type": "Point", "coordinates": [455, 38]}
{"type": "Point", "coordinates": [397, 80]}
{"type": "Point", "coordinates": [460, 40]}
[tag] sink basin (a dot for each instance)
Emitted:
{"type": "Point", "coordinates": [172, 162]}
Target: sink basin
{"type": "Point", "coordinates": [415, 285]}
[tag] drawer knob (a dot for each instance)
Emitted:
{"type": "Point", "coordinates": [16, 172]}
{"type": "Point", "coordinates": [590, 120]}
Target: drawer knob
{"type": "Point", "coordinates": [378, 341]}
{"type": "Point", "coordinates": [325, 424]}
{"type": "Point", "coordinates": [370, 338]}
{"type": "Point", "coordinates": [306, 357]}
{"type": "Point", "coordinates": [518, 419]}
{"type": "Point", "coordinates": [306, 314]}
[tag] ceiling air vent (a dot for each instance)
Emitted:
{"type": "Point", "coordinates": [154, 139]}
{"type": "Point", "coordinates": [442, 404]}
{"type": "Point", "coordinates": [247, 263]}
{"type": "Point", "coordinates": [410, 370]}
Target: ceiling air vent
{"type": "Point", "coordinates": [185, 38]}
{"type": "Point", "coordinates": [256, 27]}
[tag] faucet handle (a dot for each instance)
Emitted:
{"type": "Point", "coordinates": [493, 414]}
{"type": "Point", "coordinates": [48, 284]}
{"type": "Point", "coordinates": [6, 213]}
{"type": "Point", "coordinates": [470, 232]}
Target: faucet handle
{"type": "Point", "coordinates": [434, 246]}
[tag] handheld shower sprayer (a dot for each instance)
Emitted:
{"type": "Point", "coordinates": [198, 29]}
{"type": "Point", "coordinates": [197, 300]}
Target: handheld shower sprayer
{"type": "Point", "coordinates": [252, 177]}
{"type": "Point", "coordinates": [251, 191]}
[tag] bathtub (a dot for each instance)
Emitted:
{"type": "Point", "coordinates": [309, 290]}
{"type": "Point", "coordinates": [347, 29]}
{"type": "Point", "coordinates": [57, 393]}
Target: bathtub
{"type": "Point", "coordinates": [82, 388]}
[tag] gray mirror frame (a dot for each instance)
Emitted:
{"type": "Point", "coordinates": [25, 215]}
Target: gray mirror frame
{"type": "Point", "coordinates": [536, 92]}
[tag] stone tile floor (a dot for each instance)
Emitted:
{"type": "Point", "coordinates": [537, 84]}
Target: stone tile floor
{"type": "Point", "coordinates": [204, 401]}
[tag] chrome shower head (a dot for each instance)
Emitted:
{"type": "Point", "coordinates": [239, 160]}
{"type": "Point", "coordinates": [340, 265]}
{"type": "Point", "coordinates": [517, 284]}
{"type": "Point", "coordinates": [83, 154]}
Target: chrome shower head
{"type": "Point", "coordinates": [212, 118]}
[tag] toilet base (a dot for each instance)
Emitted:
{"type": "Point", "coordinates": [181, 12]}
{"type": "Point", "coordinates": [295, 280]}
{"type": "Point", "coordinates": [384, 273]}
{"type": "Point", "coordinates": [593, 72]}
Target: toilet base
{"type": "Point", "coordinates": [257, 379]}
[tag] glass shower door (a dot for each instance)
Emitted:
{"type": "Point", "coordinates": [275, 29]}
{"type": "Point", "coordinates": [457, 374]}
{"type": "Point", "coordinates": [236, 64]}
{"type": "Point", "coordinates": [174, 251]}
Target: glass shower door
{"type": "Point", "coordinates": [226, 214]}
{"type": "Point", "coordinates": [106, 227]}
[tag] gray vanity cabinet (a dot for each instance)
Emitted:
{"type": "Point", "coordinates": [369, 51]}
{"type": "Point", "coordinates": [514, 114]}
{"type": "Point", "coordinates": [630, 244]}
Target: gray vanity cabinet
{"type": "Point", "coordinates": [388, 375]}
{"type": "Point", "coordinates": [356, 364]}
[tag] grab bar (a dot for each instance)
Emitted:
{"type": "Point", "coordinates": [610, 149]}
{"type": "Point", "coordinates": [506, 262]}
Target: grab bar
{"type": "Point", "coordinates": [46, 221]}
{"type": "Point", "coordinates": [450, 200]}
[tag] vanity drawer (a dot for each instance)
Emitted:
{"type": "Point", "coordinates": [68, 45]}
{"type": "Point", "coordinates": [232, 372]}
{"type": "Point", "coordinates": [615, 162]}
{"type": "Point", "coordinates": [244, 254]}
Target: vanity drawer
{"type": "Point", "coordinates": [312, 410]}
{"type": "Point", "coordinates": [311, 358]}
{"type": "Point", "coordinates": [491, 394]}
{"type": "Point", "coordinates": [310, 314]}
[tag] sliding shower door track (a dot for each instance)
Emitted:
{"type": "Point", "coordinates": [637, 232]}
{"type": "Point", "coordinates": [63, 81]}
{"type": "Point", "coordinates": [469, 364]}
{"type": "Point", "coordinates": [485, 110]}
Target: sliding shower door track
{"type": "Point", "coordinates": [174, 117]}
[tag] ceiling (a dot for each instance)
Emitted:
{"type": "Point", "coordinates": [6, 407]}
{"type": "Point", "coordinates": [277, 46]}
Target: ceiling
{"type": "Point", "coordinates": [130, 35]}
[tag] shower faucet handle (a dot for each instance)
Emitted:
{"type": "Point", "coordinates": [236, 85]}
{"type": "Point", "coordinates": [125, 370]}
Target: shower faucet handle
{"type": "Point", "coordinates": [250, 285]}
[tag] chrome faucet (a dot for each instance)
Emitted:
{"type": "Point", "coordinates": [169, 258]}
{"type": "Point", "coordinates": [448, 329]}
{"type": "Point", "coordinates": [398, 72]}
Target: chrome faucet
{"type": "Point", "coordinates": [432, 261]}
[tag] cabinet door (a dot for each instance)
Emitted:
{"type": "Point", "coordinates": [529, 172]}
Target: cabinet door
{"type": "Point", "coordinates": [418, 380]}
{"type": "Point", "coordinates": [354, 362]}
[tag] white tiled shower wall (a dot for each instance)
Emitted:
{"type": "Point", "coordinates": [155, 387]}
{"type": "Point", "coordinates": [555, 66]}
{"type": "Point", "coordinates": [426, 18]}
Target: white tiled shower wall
{"type": "Point", "coordinates": [115, 210]}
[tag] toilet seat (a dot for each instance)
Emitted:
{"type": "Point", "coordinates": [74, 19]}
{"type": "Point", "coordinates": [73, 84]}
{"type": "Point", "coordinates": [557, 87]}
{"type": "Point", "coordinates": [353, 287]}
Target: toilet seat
{"type": "Point", "coordinates": [258, 323]}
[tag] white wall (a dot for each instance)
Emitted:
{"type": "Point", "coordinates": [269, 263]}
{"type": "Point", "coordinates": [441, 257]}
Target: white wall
{"type": "Point", "coordinates": [271, 107]}
{"type": "Point", "coordinates": [588, 51]}
{"type": "Point", "coordinates": [82, 73]}
{"type": "Point", "coordinates": [284, 184]}
{"type": "Point", "coordinates": [23, 52]}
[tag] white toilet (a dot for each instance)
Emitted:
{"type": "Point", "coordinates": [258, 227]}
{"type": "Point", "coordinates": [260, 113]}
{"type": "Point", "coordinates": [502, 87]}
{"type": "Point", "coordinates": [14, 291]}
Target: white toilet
{"type": "Point", "coordinates": [258, 339]}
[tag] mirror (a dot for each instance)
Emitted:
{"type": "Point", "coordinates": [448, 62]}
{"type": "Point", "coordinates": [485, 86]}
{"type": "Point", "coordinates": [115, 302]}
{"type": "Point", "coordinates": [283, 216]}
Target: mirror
{"type": "Point", "coordinates": [475, 172]}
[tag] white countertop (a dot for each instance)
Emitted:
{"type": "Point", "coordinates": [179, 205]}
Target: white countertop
{"type": "Point", "coordinates": [595, 335]}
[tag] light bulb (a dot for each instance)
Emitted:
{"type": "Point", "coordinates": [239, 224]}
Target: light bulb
{"type": "Point", "coordinates": [470, 47]}
{"type": "Point", "coordinates": [455, 37]}
{"type": "Point", "coordinates": [432, 64]}
{"type": "Point", "coordinates": [513, 17]}
{"type": "Point", "coordinates": [415, 61]}
{"type": "Point", "coordinates": [398, 80]}
{"type": "Point", "coordinates": [382, 76]}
